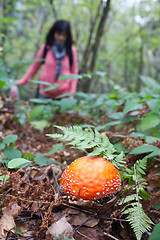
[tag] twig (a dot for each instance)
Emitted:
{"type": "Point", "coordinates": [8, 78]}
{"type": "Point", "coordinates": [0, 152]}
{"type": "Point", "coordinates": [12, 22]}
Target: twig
{"type": "Point", "coordinates": [28, 177]}
{"type": "Point", "coordinates": [55, 178]}
{"type": "Point", "coordinates": [75, 229]}
{"type": "Point", "coordinates": [40, 210]}
{"type": "Point", "coordinates": [109, 235]}
{"type": "Point", "coordinates": [84, 235]}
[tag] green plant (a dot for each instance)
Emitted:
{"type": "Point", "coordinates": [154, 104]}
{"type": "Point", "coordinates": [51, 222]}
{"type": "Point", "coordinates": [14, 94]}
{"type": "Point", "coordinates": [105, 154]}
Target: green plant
{"type": "Point", "coordinates": [13, 157]}
{"type": "Point", "coordinates": [99, 145]}
{"type": "Point", "coordinates": [6, 146]}
{"type": "Point", "coordinates": [137, 218]}
{"type": "Point", "coordinates": [89, 139]}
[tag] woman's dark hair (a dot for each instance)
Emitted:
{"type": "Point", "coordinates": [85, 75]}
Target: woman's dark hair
{"type": "Point", "coordinates": [60, 26]}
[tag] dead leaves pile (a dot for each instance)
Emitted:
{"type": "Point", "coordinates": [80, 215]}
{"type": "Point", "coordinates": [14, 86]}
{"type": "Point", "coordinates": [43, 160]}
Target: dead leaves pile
{"type": "Point", "coordinates": [35, 195]}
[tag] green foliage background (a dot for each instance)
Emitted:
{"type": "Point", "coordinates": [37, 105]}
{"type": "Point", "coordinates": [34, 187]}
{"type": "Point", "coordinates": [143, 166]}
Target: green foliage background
{"type": "Point", "coordinates": [129, 47]}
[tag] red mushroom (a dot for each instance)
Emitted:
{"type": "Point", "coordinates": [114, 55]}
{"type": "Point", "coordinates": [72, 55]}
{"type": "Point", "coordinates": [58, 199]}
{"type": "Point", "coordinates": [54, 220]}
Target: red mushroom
{"type": "Point", "coordinates": [90, 177]}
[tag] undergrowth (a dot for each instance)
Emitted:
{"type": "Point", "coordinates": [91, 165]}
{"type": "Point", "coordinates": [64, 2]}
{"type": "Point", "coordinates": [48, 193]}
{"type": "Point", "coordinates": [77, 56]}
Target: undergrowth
{"type": "Point", "coordinates": [98, 144]}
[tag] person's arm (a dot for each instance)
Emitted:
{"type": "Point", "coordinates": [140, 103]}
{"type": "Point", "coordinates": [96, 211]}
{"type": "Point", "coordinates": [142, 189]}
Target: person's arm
{"type": "Point", "coordinates": [74, 70]}
{"type": "Point", "coordinates": [33, 69]}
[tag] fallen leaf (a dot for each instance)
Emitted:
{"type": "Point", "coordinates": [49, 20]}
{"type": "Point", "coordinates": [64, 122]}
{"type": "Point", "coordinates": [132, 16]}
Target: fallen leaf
{"type": "Point", "coordinates": [7, 220]}
{"type": "Point", "coordinates": [154, 180]}
{"type": "Point", "coordinates": [6, 224]}
{"type": "Point", "coordinates": [87, 233]}
{"type": "Point", "coordinates": [12, 210]}
{"type": "Point", "coordinates": [61, 227]}
{"type": "Point", "coordinates": [80, 219]}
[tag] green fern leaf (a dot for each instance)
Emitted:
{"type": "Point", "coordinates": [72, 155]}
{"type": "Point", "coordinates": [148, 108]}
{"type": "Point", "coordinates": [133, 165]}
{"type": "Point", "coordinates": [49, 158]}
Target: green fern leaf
{"type": "Point", "coordinates": [119, 161]}
{"type": "Point", "coordinates": [96, 152]}
{"type": "Point", "coordinates": [128, 199]}
{"type": "Point", "coordinates": [88, 139]}
{"type": "Point", "coordinates": [138, 220]}
{"type": "Point", "coordinates": [98, 137]}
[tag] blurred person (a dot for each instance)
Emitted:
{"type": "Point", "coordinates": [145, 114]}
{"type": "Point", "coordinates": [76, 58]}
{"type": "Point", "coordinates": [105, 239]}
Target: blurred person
{"type": "Point", "coordinates": [57, 57]}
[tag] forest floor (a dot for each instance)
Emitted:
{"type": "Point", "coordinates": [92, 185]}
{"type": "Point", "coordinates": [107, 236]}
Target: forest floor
{"type": "Point", "coordinates": [31, 200]}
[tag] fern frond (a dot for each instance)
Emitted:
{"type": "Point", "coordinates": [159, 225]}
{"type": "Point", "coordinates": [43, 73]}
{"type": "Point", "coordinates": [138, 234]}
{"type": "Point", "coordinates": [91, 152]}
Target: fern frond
{"type": "Point", "coordinates": [96, 152]}
{"type": "Point", "coordinates": [141, 166]}
{"type": "Point", "coordinates": [88, 139]}
{"type": "Point", "coordinates": [128, 199]}
{"type": "Point", "coordinates": [138, 220]}
{"type": "Point", "coordinates": [119, 161]}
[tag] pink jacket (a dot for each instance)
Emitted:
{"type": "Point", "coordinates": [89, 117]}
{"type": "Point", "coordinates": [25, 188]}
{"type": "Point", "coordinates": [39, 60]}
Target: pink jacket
{"type": "Point", "coordinates": [48, 73]}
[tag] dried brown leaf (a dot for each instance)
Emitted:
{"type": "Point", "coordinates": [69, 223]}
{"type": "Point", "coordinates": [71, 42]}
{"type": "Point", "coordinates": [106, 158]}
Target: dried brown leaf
{"type": "Point", "coordinates": [61, 227]}
{"type": "Point", "coordinates": [81, 219]}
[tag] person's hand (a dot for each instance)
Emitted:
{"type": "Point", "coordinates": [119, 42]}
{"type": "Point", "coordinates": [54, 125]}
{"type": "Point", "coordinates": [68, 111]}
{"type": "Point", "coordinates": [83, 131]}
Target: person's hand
{"type": "Point", "coordinates": [19, 82]}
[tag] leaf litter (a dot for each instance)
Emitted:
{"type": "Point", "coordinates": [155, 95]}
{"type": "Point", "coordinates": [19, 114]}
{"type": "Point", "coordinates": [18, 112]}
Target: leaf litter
{"type": "Point", "coordinates": [35, 208]}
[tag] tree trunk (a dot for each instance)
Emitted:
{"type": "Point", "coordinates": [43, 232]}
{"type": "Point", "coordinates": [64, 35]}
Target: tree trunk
{"type": "Point", "coordinates": [88, 46]}
{"type": "Point", "coordinates": [41, 26]}
{"type": "Point", "coordinates": [99, 34]}
{"type": "Point", "coordinates": [53, 9]}
{"type": "Point", "coordinates": [94, 48]}
{"type": "Point", "coordinates": [126, 52]}
{"type": "Point", "coordinates": [140, 68]}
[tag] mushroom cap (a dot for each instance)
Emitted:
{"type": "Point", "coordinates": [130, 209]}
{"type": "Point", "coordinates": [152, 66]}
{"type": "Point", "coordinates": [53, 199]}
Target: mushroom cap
{"type": "Point", "coordinates": [90, 177]}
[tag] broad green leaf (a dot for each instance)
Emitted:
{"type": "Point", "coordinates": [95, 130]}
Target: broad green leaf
{"type": "Point", "coordinates": [70, 76]}
{"type": "Point", "coordinates": [64, 95]}
{"type": "Point", "coordinates": [67, 103]}
{"type": "Point", "coordinates": [118, 146]}
{"type": "Point", "coordinates": [2, 83]}
{"type": "Point", "coordinates": [150, 82]}
{"type": "Point", "coordinates": [56, 147]}
{"type": "Point", "coordinates": [145, 148]}
{"type": "Point", "coordinates": [136, 134]}
{"type": "Point", "coordinates": [154, 105]}
{"type": "Point", "coordinates": [35, 112]}
{"type": "Point", "coordinates": [150, 121]}
{"type": "Point", "coordinates": [3, 77]}
{"type": "Point", "coordinates": [56, 162]}
{"type": "Point", "coordinates": [113, 96]}
{"type": "Point", "coordinates": [108, 125]}
{"type": "Point", "coordinates": [131, 105]}
{"type": "Point", "coordinates": [40, 124]}
{"type": "Point", "coordinates": [17, 162]}
{"type": "Point", "coordinates": [41, 101]}
{"type": "Point", "coordinates": [155, 235]}
{"type": "Point", "coordinates": [144, 194]}
{"type": "Point", "coordinates": [117, 115]}
{"type": "Point", "coordinates": [119, 135]}
{"type": "Point", "coordinates": [41, 159]}
{"type": "Point", "coordinates": [12, 153]}
{"type": "Point", "coordinates": [150, 139]}
{"type": "Point", "coordinates": [28, 156]}
{"type": "Point", "coordinates": [53, 87]}
{"type": "Point", "coordinates": [154, 153]}
{"type": "Point", "coordinates": [10, 139]}
{"type": "Point", "coordinates": [40, 82]}
{"type": "Point", "coordinates": [2, 146]}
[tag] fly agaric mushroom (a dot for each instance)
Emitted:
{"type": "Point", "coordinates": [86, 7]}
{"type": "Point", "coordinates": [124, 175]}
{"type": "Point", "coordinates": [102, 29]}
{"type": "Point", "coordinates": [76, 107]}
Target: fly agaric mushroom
{"type": "Point", "coordinates": [90, 177]}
